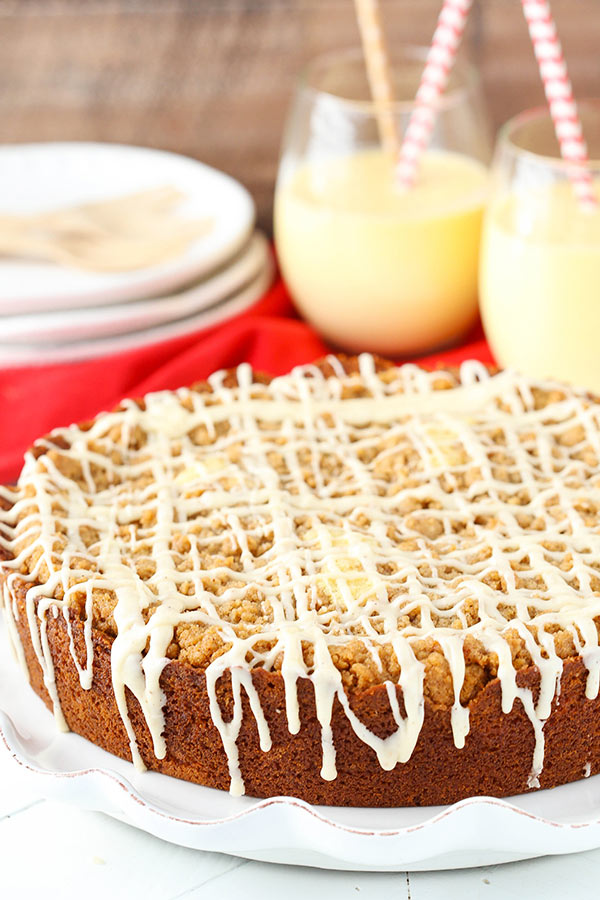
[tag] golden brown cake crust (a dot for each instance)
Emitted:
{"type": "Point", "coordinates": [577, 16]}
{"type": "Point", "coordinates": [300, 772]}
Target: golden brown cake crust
{"type": "Point", "coordinates": [495, 760]}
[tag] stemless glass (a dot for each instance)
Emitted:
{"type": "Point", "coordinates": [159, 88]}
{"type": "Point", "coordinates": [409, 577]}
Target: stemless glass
{"type": "Point", "coordinates": [371, 266]}
{"type": "Point", "coordinates": [540, 261]}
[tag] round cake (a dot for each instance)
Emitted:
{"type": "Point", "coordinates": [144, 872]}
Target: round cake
{"type": "Point", "coordinates": [357, 584]}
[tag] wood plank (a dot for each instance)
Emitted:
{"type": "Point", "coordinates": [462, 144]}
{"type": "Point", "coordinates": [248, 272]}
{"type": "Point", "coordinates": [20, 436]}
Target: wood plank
{"type": "Point", "coordinates": [214, 79]}
{"type": "Point", "coordinates": [509, 70]}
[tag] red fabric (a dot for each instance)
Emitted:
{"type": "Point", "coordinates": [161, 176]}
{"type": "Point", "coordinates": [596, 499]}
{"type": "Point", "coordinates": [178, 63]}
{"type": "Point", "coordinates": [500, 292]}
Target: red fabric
{"type": "Point", "coordinates": [270, 336]}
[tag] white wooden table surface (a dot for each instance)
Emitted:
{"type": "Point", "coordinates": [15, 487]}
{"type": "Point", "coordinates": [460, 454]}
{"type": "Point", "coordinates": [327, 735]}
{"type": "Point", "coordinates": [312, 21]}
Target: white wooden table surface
{"type": "Point", "coordinates": [48, 850]}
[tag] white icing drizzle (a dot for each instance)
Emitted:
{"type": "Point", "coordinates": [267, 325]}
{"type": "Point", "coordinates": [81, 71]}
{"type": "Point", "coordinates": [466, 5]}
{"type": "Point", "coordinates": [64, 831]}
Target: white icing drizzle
{"type": "Point", "coordinates": [486, 527]}
{"type": "Point", "coordinates": [11, 617]}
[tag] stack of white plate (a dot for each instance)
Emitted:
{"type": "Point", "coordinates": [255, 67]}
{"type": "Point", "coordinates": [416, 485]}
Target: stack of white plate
{"type": "Point", "coordinates": [51, 313]}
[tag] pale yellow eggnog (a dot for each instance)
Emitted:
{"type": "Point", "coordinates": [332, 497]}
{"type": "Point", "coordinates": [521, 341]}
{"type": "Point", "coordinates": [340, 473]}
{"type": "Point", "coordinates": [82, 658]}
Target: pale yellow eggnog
{"type": "Point", "coordinates": [540, 284]}
{"type": "Point", "coordinates": [374, 267]}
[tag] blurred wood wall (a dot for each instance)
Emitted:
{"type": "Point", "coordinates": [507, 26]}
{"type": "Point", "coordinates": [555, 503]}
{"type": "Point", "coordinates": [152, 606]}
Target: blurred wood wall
{"type": "Point", "coordinates": [213, 78]}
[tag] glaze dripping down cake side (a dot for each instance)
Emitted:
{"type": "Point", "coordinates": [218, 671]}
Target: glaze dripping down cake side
{"type": "Point", "coordinates": [358, 584]}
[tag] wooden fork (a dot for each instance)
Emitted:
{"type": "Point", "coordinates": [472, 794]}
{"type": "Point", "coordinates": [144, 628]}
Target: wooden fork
{"type": "Point", "coordinates": [123, 233]}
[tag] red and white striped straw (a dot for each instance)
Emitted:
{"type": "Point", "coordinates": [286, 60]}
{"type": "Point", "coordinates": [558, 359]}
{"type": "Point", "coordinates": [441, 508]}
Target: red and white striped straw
{"type": "Point", "coordinates": [559, 93]}
{"type": "Point", "coordinates": [438, 66]}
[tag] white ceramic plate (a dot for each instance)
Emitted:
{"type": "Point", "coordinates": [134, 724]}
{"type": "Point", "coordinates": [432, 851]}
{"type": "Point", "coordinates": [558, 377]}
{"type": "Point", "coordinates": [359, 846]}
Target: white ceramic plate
{"type": "Point", "coordinates": [40, 177]}
{"type": "Point", "coordinates": [476, 832]}
{"type": "Point", "coordinates": [83, 324]}
{"type": "Point", "coordinates": [13, 354]}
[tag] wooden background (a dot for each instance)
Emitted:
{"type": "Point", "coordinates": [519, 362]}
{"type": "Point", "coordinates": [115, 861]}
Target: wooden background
{"type": "Point", "coordinates": [213, 78]}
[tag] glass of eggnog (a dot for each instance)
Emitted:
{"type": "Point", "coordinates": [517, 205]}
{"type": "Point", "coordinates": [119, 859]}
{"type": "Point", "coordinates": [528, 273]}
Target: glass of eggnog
{"type": "Point", "coordinates": [540, 259]}
{"type": "Point", "coordinates": [372, 265]}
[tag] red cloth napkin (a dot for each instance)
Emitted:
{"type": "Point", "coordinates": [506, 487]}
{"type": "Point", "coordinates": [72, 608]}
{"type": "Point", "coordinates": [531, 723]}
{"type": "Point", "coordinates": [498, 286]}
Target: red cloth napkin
{"type": "Point", "coordinates": [270, 336]}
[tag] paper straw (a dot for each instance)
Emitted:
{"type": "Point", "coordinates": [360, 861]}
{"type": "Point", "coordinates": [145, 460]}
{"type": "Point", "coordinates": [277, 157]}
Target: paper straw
{"type": "Point", "coordinates": [438, 66]}
{"type": "Point", "coordinates": [378, 70]}
{"type": "Point", "coordinates": [559, 93]}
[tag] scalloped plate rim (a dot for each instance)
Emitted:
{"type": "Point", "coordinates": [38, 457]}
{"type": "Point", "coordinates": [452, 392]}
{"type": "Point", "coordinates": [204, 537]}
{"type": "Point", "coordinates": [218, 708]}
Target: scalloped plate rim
{"type": "Point", "coordinates": [485, 801]}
